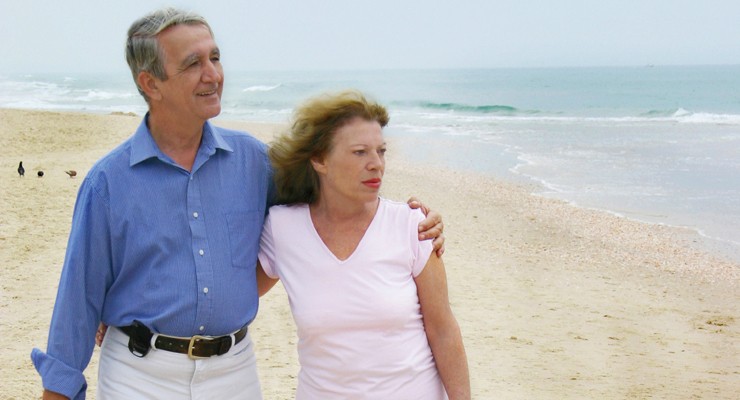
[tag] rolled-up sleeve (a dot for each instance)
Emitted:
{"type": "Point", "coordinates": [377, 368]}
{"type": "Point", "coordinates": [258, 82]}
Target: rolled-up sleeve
{"type": "Point", "coordinates": [58, 376]}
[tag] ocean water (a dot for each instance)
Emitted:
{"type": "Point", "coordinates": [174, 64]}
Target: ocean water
{"type": "Point", "coordinates": [656, 144]}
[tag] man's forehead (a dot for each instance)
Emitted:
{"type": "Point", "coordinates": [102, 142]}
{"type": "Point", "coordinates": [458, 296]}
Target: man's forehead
{"type": "Point", "coordinates": [184, 40]}
{"type": "Point", "coordinates": [185, 33]}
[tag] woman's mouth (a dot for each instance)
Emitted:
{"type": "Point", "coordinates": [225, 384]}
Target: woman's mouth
{"type": "Point", "coordinates": [373, 183]}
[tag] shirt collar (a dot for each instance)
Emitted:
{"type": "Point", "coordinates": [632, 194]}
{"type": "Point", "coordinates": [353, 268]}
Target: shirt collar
{"type": "Point", "coordinates": [143, 146]}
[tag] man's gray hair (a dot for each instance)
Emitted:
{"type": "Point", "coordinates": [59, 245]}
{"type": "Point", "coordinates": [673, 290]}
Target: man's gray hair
{"type": "Point", "coordinates": [143, 53]}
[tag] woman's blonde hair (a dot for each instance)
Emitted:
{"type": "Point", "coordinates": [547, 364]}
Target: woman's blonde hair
{"type": "Point", "coordinates": [310, 137]}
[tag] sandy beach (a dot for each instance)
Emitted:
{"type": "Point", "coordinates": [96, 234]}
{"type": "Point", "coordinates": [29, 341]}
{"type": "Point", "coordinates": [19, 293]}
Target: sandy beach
{"type": "Point", "coordinates": [554, 301]}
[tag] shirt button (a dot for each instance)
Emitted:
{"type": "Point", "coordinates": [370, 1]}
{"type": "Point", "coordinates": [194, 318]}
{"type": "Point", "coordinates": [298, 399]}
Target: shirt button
{"type": "Point", "coordinates": [202, 328]}
{"type": "Point", "coordinates": [201, 252]}
{"type": "Point", "coordinates": [205, 290]}
{"type": "Point", "coordinates": [195, 215]}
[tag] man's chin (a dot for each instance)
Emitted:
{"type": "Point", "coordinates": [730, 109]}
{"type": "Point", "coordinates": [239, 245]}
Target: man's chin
{"type": "Point", "coordinates": [212, 112]}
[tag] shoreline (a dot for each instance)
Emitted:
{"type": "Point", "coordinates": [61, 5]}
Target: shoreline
{"type": "Point", "coordinates": [590, 304]}
{"type": "Point", "coordinates": [431, 153]}
{"type": "Point", "coordinates": [722, 248]}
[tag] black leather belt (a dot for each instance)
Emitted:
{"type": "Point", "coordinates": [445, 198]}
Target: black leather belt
{"type": "Point", "coordinates": [195, 347]}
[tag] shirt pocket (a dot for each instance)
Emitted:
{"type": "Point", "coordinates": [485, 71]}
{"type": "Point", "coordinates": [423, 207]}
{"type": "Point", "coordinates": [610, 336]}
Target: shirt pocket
{"type": "Point", "coordinates": [245, 229]}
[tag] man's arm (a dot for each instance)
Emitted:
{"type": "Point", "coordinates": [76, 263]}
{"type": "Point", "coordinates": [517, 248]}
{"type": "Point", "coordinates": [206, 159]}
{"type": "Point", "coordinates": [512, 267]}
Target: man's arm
{"type": "Point", "coordinates": [264, 282]}
{"type": "Point", "coordinates": [79, 299]}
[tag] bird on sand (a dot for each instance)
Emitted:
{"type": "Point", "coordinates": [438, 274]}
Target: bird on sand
{"type": "Point", "coordinates": [40, 174]}
{"type": "Point", "coordinates": [21, 170]}
{"type": "Point", "coordinates": [72, 173]}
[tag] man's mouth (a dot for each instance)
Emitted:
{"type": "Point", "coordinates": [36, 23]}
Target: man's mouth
{"type": "Point", "coordinates": [208, 93]}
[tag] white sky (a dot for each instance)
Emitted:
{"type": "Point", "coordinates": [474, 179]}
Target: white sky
{"type": "Point", "coordinates": [88, 35]}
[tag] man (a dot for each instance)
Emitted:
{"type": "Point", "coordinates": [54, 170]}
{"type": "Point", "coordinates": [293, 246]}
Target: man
{"type": "Point", "coordinates": [164, 238]}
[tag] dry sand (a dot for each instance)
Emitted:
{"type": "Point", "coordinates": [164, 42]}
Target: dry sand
{"type": "Point", "coordinates": [555, 302]}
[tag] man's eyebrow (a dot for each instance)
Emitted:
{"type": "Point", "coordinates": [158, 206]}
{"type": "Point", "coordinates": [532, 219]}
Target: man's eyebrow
{"type": "Point", "coordinates": [188, 60]}
{"type": "Point", "coordinates": [194, 57]}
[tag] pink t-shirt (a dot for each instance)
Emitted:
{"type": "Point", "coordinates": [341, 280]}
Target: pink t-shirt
{"type": "Point", "coordinates": [360, 329]}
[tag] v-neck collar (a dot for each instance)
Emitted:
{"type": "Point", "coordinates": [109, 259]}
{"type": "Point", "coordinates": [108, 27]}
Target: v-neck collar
{"type": "Point", "coordinates": [363, 239]}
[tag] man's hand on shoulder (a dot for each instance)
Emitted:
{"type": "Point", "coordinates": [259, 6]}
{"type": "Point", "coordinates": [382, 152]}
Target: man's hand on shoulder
{"type": "Point", "coordinates": [431, 226]}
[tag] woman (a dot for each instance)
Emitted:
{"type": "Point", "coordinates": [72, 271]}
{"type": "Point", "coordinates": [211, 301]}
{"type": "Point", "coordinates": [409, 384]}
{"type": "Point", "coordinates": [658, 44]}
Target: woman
{"type": "Point", "coordinates": [368, 298]}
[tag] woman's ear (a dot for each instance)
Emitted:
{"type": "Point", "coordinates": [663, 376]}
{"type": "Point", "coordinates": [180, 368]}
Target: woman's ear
{"type": "Point", "coordinates": [148, 84]}
{"type": "Point", "coordinates": [319, 165]}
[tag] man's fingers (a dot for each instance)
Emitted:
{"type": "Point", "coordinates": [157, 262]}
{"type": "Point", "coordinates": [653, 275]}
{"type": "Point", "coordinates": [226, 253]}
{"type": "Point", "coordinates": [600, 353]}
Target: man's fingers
{"type": "Point", "coordinates": [439, 245]}
{"type": "Point", "coordinates": [435, 232]}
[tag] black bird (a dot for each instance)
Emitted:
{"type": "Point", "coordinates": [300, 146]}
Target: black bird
{"type": "Point", "coordinates": [21, 170]}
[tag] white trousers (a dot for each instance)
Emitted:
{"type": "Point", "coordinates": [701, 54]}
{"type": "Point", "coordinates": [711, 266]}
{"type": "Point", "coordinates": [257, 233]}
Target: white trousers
{"type": "Point", "coordinates": [163, 374]}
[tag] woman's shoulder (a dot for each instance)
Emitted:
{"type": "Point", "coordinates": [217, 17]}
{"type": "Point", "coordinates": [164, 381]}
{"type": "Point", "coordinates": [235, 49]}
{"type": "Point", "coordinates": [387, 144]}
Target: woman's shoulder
{"type": "Point", "coordinates": [398, 209]}
{"type": "Point", "coordinates": [288, 210]}
{"type": "Point", "coordinates": [389, 201]}
{"type": "Point", "coordinates": [392, 204]}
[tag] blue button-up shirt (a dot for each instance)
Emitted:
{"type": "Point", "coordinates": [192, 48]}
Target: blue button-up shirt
{"type": "Point", "coordinates": [152, 241]}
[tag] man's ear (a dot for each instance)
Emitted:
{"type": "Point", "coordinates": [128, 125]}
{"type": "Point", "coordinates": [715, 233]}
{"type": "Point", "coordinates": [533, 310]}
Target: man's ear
{"type": "Point", "coordinates": [149, 85]}
{"type": "Point", "coordinates": [318, 165]}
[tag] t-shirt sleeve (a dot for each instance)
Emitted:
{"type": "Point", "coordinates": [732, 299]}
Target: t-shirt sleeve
{"type": "Point", "coordinates": [421, 249]}
{"type": "Point", "coordinates": [267, 249]}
